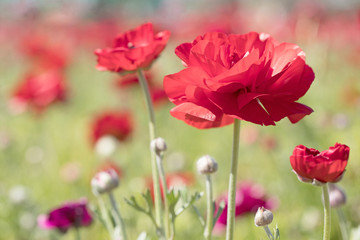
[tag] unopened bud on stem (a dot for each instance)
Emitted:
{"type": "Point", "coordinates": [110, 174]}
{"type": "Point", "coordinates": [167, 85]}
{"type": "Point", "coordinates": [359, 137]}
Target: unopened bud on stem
{"type": "Point", "coordinates": [206, 165]}
{"type": "Point", "coordinates": [263, 217]}
{"type": "Point", "coordinates": [158, 145]}
{"type": "Point", "coordinates": [104, 182]}
{"type": "Point", "coordinates": [336, 195]}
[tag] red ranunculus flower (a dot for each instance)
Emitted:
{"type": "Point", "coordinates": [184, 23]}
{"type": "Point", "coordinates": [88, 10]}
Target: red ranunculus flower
{"type": "Point", "coordinates": [249, 77]}
{"type": "Point", "coordinates": [72, 214]}
{"type": "Point", "coordinates": [38, 90]}
{"type": "Point", "coordinates": [115, 124]}
{"type": "Point", "coordinates": [325, 166]}
{"type": "Point", "coordinates": [132, 50]}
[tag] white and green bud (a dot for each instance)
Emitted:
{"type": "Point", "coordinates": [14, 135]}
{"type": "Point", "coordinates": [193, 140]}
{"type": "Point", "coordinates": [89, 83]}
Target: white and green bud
{"type": "Point", "coordinates": [206, 165]}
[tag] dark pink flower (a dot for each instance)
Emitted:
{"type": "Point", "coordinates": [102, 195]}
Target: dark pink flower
{"type": "Point", "coordinates": [249, 197]}
{"type": "Point", "coordinates": [71, 214]}
{"type": "Point", "coordinates": [249, 77]}
{"type": "Point", "coordinates": [132, 50]}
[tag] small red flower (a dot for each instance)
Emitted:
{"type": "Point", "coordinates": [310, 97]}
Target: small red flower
{"type": "Point", "coordinates": [132, 50]}
{"type": "Point", "coordinates": [116, 124]}
{"type": "Point", "coordinates": [250, 77]}
{"type": "Point", "coordinates": [39, 90]}
{"type": "Point", "coordinates": [326, 166]}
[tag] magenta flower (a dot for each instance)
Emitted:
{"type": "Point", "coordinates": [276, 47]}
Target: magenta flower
{"type": "Point", "coordinates": [71, 214]}
{"type": "Point", "coordinates": [249, 197]}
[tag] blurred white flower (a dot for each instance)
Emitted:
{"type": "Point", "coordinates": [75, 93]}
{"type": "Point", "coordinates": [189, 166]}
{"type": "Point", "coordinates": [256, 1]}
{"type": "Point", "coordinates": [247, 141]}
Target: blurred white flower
{"type": "Point", "coordinates": [106, 146]}
{"type": "Point", "coordinates": [18, 194]}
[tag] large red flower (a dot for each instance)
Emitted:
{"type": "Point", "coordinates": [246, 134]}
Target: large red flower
{"type": "Point", "coordinates": [116, 124]}
{"type": "Point", "coordinates": [249, 77]}
{"type": "Point", "coordinates": [38, 90]}
{"type": "Point", "coordinates": [132, 50]}
{"type": "Point", "coordinates": [325, 166]}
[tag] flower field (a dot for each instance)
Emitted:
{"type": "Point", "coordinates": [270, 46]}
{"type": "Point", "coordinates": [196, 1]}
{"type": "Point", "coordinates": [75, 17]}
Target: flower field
{"type": "Point", "coordinates": [83, 84]}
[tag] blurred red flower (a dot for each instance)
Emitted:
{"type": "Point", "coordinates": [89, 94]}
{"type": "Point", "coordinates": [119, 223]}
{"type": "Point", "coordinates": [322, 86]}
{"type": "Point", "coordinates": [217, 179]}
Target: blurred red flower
{"type": "Point", "coordinates": [326, 166]}
{"type": "Point", "coordinates": [116, 124]}
{"type": "Point", "coordinates": [173, 180]}
{"type": "Point", "coordinates": [157, 92]}
{"type": "Point", "coordinates": [38, 90]}
{"type": "Point", "coordinates": [105, 166]}
{"type": "Point", "coordinates": [72, 214]}
{"type": "Point", "coordinates": [132, 50]}
{"type": "Point", "coordinates": [249, 197]}
{"type": "Point", "coordinates": [249, 77]}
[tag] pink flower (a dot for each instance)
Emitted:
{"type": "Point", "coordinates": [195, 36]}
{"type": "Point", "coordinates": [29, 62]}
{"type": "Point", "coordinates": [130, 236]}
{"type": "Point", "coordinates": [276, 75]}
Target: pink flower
{"type": "Point", "coordinates": [71, 214]}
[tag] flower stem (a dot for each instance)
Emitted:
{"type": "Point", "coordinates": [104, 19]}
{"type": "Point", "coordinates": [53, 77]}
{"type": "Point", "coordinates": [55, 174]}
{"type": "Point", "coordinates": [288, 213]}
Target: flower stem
{"type": "Point", "coordinates": [232, 182]}
{"type": "Point", "coordinates": [152, 134]}
{"type": "Point", "coordinates": [327, 214]}
{"type": "Point", "coordinates": [268, 232]}
{"type": "Point", "coordinates": [117, 217]}
{"type": "Point", "coordinates": [165, 189]}
{"type": "Point", "coordinates": [105, 216]}
{"type": "Point", "coordinates": [210, 208]}
{"type": "Point", "coordinates": [77, 233]}
{"type": "Point", "coordinates": [342, 224]}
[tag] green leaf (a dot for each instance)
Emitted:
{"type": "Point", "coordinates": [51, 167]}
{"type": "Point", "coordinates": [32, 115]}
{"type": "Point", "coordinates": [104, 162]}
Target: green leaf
{"type": "Point", "coordinates": [196, 196]}
{"type": "Point", "coordinates": [200, 217]}
{"type": "Point", "coordinates": [277, 233]}
{"type": "Point", "coordinates": [219, 211]}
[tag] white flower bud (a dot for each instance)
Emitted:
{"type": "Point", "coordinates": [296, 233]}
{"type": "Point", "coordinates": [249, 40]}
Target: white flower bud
{"type": "Point", "coordinates": [263, 217]}
{"type": "Point", "coordinates": [158, 145]}
{"type": "Point", "coordinates": [104, 182]}
{"type": "Point", "coordinates": [337, 196]}
{"type": "Point", "coordinates": [206, 165]}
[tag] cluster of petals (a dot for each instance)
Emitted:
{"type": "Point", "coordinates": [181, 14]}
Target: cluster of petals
{"type": "Point", "coordinates": [117, 124]}
{"type": "Point", "coordinates": [250, 77]}
{"type": "Point", "coordinates": [71, 214]}
{"type": "Point", "coordinates": [249, 197]}
{"type": "Point", "coordinates": [38, 90]}
{"type": "Point", "coordinates": [310, 165]}
{"type": "Point", "coordinates": [132, 50]}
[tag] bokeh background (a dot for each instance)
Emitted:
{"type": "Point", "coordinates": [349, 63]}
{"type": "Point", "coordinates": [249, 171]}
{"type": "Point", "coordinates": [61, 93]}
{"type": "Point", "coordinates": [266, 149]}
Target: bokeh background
{"type": "Point", "coordinates": [48, 155]}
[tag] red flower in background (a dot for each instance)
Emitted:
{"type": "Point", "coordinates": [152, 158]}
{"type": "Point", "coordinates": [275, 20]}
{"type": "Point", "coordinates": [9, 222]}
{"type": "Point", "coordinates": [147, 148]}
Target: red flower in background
{"type": "Point", "coordinates": [110, 165]}
{"type": "Point", "coordinates": [39, 90]}
{"type": "Point", "coordinates": [45, 52]}
{"type": "Point", "coordinates": [72, 214]}
{"type": "Point", "coordinates": [116, 124]}
{"type": "Point", "coordinates": [173, 180]}
{"type": "Point", "coordinates": [157, 92]}
{"type": "Point", "coordinates": [326, 166]}
{"type": "Point", "coordinates": [249, 77]}
{"type": "Point", "coordinates": [249, 197]}
{"type": "Point", "coordinates": [132, 50]}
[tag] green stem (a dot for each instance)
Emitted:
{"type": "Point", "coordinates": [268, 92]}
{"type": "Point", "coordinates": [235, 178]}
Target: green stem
{"type": "Point", "coordinates": [342, 224]}
{"type": "Point", "coordinates": [117, 217]}
{"type": "Point", "coordinates": [152, 134]}
{"type": "Point", "coordinates": [77, 233]}
{"type": "Point", "coordinates": [210, 208]}
{"type": "Point", "coordinates": [268, 232]}
{"type": "Point", "coordinates": [327, 213]}
{"type": "Point", "coordinates": [165, 189]}
{"type": "Point", "coordinates": [104, 213]}
{"type": "Point", "coordinates": [232, 182]}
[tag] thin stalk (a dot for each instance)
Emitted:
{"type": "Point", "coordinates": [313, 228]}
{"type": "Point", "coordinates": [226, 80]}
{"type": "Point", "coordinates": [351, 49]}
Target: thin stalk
{"type": "Point", "coordinates": [104, 213]}
{"type": "Point", "coordinates": [165, 190]}
{"type": "Point", "coordinates": [152, 134]}
{"type": "Point", "coordinates": [268, 232]}
{"type": "Point", "coordinates": [210, 208]}
{"type": "Point", "coordinates": [77, 233]}
{"type": "Point", "coordinates": [232, 182]}
{"type": "Point", "coordinates": [327, 213]}
{"type": "Point", "coordinates": [116, 214]}
{"type": "Point", "coordinates": [342, 224]}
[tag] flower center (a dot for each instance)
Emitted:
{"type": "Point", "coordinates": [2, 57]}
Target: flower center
{"type": "Point", "coordinates": [130, 45]}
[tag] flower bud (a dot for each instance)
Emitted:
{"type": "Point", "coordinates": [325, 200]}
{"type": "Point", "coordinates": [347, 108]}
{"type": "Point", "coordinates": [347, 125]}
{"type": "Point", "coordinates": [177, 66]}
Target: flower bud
{"type": "Point", "coordinates": [158, 145]}
{"type": "Point", "coordinates": [104, 182]}
{"type": "Point", "coordinates": [263, 217]}
{"type": "Point", "coordinates": [206, 165]}
{"type": "Point", "coordinates": [337, 196]}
